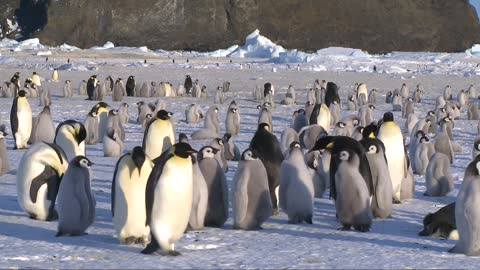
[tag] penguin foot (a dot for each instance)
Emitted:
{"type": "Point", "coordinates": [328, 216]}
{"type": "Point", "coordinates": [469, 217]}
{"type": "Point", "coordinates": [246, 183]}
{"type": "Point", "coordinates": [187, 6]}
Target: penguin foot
{"type": "Point", "coordinates": [53, 215]}
{"type": "Point", "coordinates": [309, 219]}
{"type": "Point", "coordinates": [395, 201]}
{"type": "Point", "coordinates": [173, 253]}
{"type": "Point", "coordinates": [59, 233]}
{"type": "Point", "coordinates": [150, 249]}
{"type": "Point", "coordinates": [275, 212]}
{"type": "Point", "coordinates": [32, 216]}
{"type": "Point", "coordinates": [362, 228]}
{"type": "Point", "coordinates": [345, 228]}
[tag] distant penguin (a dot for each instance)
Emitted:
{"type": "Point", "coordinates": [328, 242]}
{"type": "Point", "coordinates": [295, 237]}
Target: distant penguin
{"type": "Point", "coordinates": [123, 113]}
{"type": "Point", "coordinates": [362, 89]}
{"type": "Point", "coordinates": [472, 113]}
{"type": "Point", "coordinates": [251, 201]}
{"type": "Point", "coordinates": [67, 89]}
{"type": "Point", "coordinates": [267, 89]}
{"type": "Point", "coordinates": [382, 198]}
{"type": "Point", "coordinates": [21, 120]}
{"type": "Point", "coordinates": [462, 98]}
{"type": "Point", "coordinates": [196, 89]}
{"type": "Point", "coordinates": [372, 96]}
{"type": "Point", "coordinates": [109, 84]}
{"type": "Point", "coordinates": [36, 79]}
{"type": "Point", "coordinates": [159, 135]}
{"type": "Point", "coordinates": [42, 127]}
{"type": "Point", "coordinates": [130, 86]}
{"type": "Point", "coordinates": [422, 156]}
{"type": "Point", "coordinates": [335, 111]}
{"type": "Point", "coordinates": [291, 93]}
{"type": "Point", "coordinates": [76, 201]}
{"type": "Point", "coordinates": [296, 187]}
{"type": "Point", "coordinates": [438, 179]}
{"type": "Point", "coordinates": [180, 90]}
{"type": "Point", "coordinates": [389, 97]}
{"type": "Point", "coordinates": [188, 84]}
{"type": "Point", "coordinates": [41, 169]}
{"type": "Point", "coordinates": [265, 116]}
{"type": "Point", "coordinates": [112, 144]}
{"type": "Point", "coordinates": [417, 96]}
{"type": "Point", "coordinates": [289, 135]}
{"type": "Point", "coordinates": [397, 103]}
{"type": "Point", "coordinates": [4, 163]}
{"type": "Point", "coordinates": [404, 91]}
{"type": "Point", "coordinates": [331, 94]}
{"type": "Point", "coordinates": [217, 209]}
{"type": "Point", "coordinates": [45, 98]}
{"type": "Point", "coordinates": [91, 84]}
{"type": "Point", "coordinates": [145, 90]}
{"type": "Point", "coordinates": [70, 135]}
{"type": "Point", "coordinates": [91, 127]}
{"type": "Point", "coordinates": [311, 96]}
{"type": "Point", "coordinates": [351, 104]}
{"type": "Point", "coordinates": [232, 121]}
{"type": "Point", "coordinates": [269, 152]}
{"type": "Point", "coordinates": [219, 96]}
{"type": "Point", "coordinates": [193, 114]}
{"type": "Point", "coordinates": [467, 212]}
{"type": "Point", "coordinates": [82, 88]}
{"type": "Point", "coordinates": [447, 93]}
{"type": "Point", "coordinates": [407, 107]}
{"type": "Point", "coordinates": [391, 136]}
{"type": "Point", "coordinates": [118, 90]}
{"type": "Point", "coordinates": [231, 151]}
{"type": "Point", "coordinates": [168, 199]}
{"type": "Point", "coordinates": [200, 198]}
{"type": "Point", "coordinates": [128, 197]}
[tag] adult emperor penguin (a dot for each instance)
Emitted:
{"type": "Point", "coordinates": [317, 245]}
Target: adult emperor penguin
{"type": "Point", "coordinates": [37, 81]}
{"type": "Point", "coordinates": [251, 201]}
{"type": "Point", "coordinates": [128, 197]}
{"type": "Point", "coordinates": [467, 212]}
{"type": "Point", "coordinates": [130, 86]}
{"type": "Point", "coordinates": [112, 143]}
{"type": "Point", "coordinates": [331, 94]}
{"type": "Point", "coordinates": [296, 187]}
{"type": "Point", "coordinates": [217, 209]}
{"type": "Point", "coordinates": [91, 127]}
{"type": "Point", "coordinates": [232, 121]}
{"type": "Point", "coordinates": [4, 164]}
{"type": "Point", "coordinates": [188, 84]}
{"type": "Point", "coordinates": [200, 197]}
{"type": "Point", "coordinates": [91, 84]}
{"type": "Point", "coordinates": [321, 116]}
{"type": "Point", "coordinates": [42, 127]}
{"type": "Point", "coordinates": [269, 152]}
{"type": "Point", "coordinates": [382, 197]}
{"type": "Point", "coordinates": [168, 198]}
{"type": "Point", "coordinates": [76, 201]}
{"type": "Point", "coordinates": [38, 178]}
{"type": "Point", "coordinates": [391, 136]}
{"type": "Point", "coordinates": [362, 89]}
{"type": "Point", "coordinates": [159, 135]}
{"type": "Point", "coordinates": [70, 135]}
{"type": "Point", "coordinates": [21, 120]}
{"type": "Point", "coordinates": [55, 75]}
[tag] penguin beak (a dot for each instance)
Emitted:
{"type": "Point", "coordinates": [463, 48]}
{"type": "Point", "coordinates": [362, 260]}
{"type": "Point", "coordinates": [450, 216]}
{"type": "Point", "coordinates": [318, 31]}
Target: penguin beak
{"type": "Point", "coordinates": [90, 163]}
{"type": "Point", "coordinates": [191, 151]}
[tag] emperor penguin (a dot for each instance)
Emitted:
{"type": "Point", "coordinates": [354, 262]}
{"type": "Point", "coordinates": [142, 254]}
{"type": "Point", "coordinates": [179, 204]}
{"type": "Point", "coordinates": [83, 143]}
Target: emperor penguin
{"type": "Point", "coordinates": [91, 127]}
{"type": "Point", "coordinates": [55, 75]}
{"type": "Point", "coordinates": [130, 86]}
{"type": "Point", "coordinates": [196, 90]}
{"type": "Point", "coordinates": [226, 86]}
{"type": "Point", "coordinates": [365, 114]}
{"type": "Point", "coordinates": [310, 134]}
{"type": "Point", "coordinates": [382, 197]}
{"type": "Point", "coordinates": [159, 135]}
{"type": "Point", "coordinates": [309, 110]}
{"type": "Point", "coordinates": [200, 198]}
{"type": "Point", "coordinates": [217, 209]}
{"type": "Point", "coordinates": [372, 96]}
{"type": "Point", "coordinates": [143, 109]}
{"type": "Point", "coordinates": [351, 104]}
{"type": "Point", "coordinates": [443, 145]}
{"type": "Point", "coordinates": [331, 94]}
{"type": "Point", "coordinates": [311, 96]}
{"type": "Point", "coordinates": [118, 90]}
{"type": "Point", "coordinates": [145, 90]}
{"type": "Point", "coordinates": [219, 144]}
{"type": "Point", "coordinates": [251, 201]}
{"type": "Point", "coordinates": [362, 89]}
{"type": "Point", "coordinates": [467, 213]}
{"type": "Point", "coordinates": [397, 102]}
{"type": "Point", "coordinates": [296, 187]}
{"type": "Point", "coordinates": [43, 129]}
{"type": "Point", "coordinates": [168, 198]}
{"type": "Point", "coordinates": [269, 152]}
{"type": "Point", "coordinates": [180, 90]}
{"type": "Point", "coordinates": [112, 144]}
{"type": "Point", "coordinates": [441, 223]}
{"type": "Point", "coordinates": [472, 113]}
{"type": "Point", "coordinates": [128, 197]}
{"type": "Point", "coordinates": [101, 108]}
{"type": "Point", "coordinates": [391, 136]}
{"type": "Point", "coordinates": [41, 169]}
{"type": "Point", "coordinates": [193, 114]}
{"type": "Point", "coordinates": [335, 111]}
{"type": "Point", "coordinates": [321, 116]}
{"type": "Point", "coordinates": [115, 123]}
{"type": "Point", "coordinates": [340, 129]}
{"type": "Point", "coordinates": [123, 113]}
{"type": "Point", "coordinates": [21, 120]}
{"type": "Point", "coordinates": [472, 92]}
{"type": "Point", "coordinates": [4, 163]}
{"type": "Point", "coordinates": [289, 135]}
{"type": "Point", "coordinates": [404, 91]}
{"type": "Point", "coordinates": [433, 119]}
{"type": "Point", "coordinates": [232, 121]}
{"type": "Point", "coordinates": [314, 160]}
{"type": "Point", "coordinates": [82, 88]}
{"type": "Point", "coordinates": [109, 84]}
{"type": "Point", "coordinates": [188, 84]}
{"type": "Point", "coordinates": [462, 98]}
{"type": "Point", "coordinates": [291, 93]}
{"type": "Point", "coordinates": [476, 148]}
{"type": "Point", "coordinates": [407, 107]}
{"type": "Point", "coordinates": [299, 120]}
{"type": "Point", "coordinates": [230, 148]}
{"type": "Point", "coordinates": [37, 81]}
{"type": "Point", "coordinates": [422, 155]}
{"type": "Point", "coordinates": [70, 135]}
{"type": "Point", "coordinates": [389, 97]}
{"type": "Point", "coordinates": [67, 89]}
{"type": "Point", "coordinates": [219, 96]}
{"type": "Point", "coordinates": [265, 116]}
{"type": "Point", "coordinates": [76, 201]}
{"type": "Point", "coordinates": [91, 84]}
{"type": "Point", "coordinates": [438, 179]}
{"type": "Point", "coordinates": [447, 93]}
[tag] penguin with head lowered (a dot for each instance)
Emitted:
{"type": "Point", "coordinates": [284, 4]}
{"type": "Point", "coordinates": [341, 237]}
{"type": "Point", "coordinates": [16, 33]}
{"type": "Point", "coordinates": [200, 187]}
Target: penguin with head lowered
{"type": "Point", "coordinates": [128, 196]}
{"type": "Point", "coordinates": [168, 198]}
{"type": "Point", "coordinates": [21, 120]}
{"type": "Point", "coordinates": [159, 135]}
{"type": "Point", "coordinates": [38, 178]}
{"type": "Point", "coordinates": [269, 152]}
{"type": "Point", "coordinates": [70, 136]}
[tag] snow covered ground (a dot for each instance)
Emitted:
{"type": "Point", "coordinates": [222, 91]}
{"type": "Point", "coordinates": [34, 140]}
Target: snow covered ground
{"type": "Point", "coordinates": [391, 243]}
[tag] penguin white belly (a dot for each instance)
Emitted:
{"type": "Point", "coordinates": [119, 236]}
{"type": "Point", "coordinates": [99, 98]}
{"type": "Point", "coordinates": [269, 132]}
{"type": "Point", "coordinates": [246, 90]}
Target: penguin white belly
{"type": "Point", "coordinates": [156, 135]}
{"type": "Point", "coordinates": [130, 215]}
{"type": "Point", "coordinates": [24, 116]}
{"type": "Point", "coordinates": [324, 118]}
{"type": "Point", "coordinates": [69, 145]}
{"type": "Point", "coordinates": [41, 206]}
{"type": "Point", "coordinates": [172, 202]}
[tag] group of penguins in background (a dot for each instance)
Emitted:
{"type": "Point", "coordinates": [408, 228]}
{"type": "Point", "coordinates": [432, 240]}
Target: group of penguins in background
{"type": "Point", "coordinates": [165, 187]}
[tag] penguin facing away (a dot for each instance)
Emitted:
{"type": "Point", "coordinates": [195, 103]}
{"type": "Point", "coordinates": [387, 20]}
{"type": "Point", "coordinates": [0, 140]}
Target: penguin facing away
{"type": "Point", "coordinates": [42, 168]}
{"type": "Point", "coordinates": [128, 196]}
{"type": "Point", "coordinates": [168, 198]}
{"type": "Point", "coordinates": [112, 144]}
{"type": "Point", "coordinates": [251, 201]}
{"type": "Point", "coordinates": [42, 127]}
{"type": "Point", "coordinates": [438, 179]}
{"type": "Point", "coordinates": [76, 201]}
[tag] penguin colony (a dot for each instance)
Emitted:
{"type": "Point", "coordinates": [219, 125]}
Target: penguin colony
{"type": "Point", "coordinates": [160, 190]}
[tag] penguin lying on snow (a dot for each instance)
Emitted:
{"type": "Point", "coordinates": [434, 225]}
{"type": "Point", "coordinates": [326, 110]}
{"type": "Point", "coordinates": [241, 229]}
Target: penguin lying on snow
{"type": "Point", "coordinates": [441, 223]}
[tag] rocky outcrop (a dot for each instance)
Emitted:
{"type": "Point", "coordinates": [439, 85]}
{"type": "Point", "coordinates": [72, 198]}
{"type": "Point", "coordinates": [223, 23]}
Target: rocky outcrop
{"type": "Point", "coordinates": [376, 26]}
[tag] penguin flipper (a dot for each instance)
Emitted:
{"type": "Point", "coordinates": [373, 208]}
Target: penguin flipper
{"type": "Point", "coordinates": [152, 182]}
{"type": "Point", "coordinates": [39, 181]}
{"type": "Point", "coordinates": [14, 118]}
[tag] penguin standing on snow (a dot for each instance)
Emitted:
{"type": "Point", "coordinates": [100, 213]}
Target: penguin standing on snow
{"type": "Point", "coordinates": [232, 122]}
{"type": "Point", "coordinates": [168, 199]}
{"type": "Point", "coordinates": [130, 86]}
{"type": "Point", "coordinates": [188, 84]}
{"type": "Point", "coordinates": [200, 195]}
{"type": "Point", "coordinates": [21, 120]}
{"type": "Point", "coordinates": [91, 84]}
{"type": "Point", "coordinates": [43, 129]}
{"type": "Point", "coordinates": [159, 135]}
{"type": "Point", "coordinates": [70, 135]}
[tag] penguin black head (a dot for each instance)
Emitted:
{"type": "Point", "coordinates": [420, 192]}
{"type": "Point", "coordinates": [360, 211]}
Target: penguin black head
{"type": "Point", "coordinates": [3, 132]}
{"type": "Point", "coordinates": [249, 154]}
{"type": "Point", "coordinates": [431, 113]}
{"type": "Point", "coordinates": [473, 167]}
{"type": "Point", "coordinates": [111, 134]}
{"type": "Point", "coordinates": [233, 103]}
{"type": "Point", "coordinates": [92, 114]}
{"type": "Point", "coordinates": [219, 141]}
{"type": "Point", "coordinates": [81, 133]}
{"type": "Point", "coordinates": [227, 137]}
{"type": "Point", "coordinates": [101, 104]}
{"type": "Point", "coordinates": [188, 76]}
{"type": "Point", "coordinates": [131, 77]}
{"type": "Point", "coordinates": [301, 111]}
{"type": "Point", "coordinates": [370, 131]}
{"type": "Point", "coordinates": [182, 137]}
{"type": "Point", "coordinates": [388, 117]}
{"type": "Point", "coordinates": [125, 105]}
{"type": "Point", "coordinates": [389, 94]}
{"type": "Point", "coordinates": [164, 115]}
{"type": "Point", "coordinates": [113, 112]}
{"type": "Point", "coordinates": [233, 110]}
{"type": "Point", "coordinates": [264, 126]}
{"type": "Point", "coordinates": [138, 157]}
{"type": "Point", "coordinates": [139, 103]}
{"type": "Point", "coordinates": [81, 161]}
{"type": "Point", "coordinates": [372, 146]}
{"type": "Point", "coordinates": [325, 142]}
{"type": "Point", "coordinates": [183, 150]}
{"type": "Point", "coordinates": [295, 145]}
{"type": "Point", "coordinates": [22, 93]}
